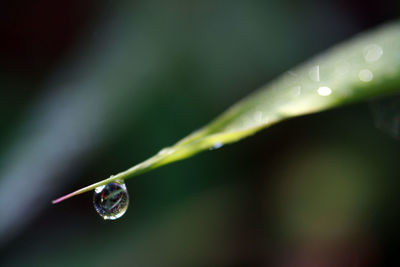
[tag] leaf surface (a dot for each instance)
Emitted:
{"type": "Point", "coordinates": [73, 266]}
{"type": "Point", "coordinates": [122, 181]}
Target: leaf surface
{"type": "Point", "coordinates": [364, 67]}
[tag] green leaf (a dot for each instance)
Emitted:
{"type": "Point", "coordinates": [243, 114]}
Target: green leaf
{"type": "Point", "coordinates": [366, 66]}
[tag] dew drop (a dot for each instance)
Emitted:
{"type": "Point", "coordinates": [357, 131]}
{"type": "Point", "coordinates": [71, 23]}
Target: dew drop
{"type": "Point", "coordinates": [111, 200]}
{"type": "Point", "coordinates": [365, 75]}
{"type": "Point", "coordinates": [216, 146]}
{"type": "Point", "coordinates": [372, 52]}
{"type": "Point", "coordinates": [324, 91]}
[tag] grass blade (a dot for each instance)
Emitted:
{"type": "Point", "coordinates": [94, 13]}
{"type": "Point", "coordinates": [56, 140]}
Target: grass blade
{"type": "Point", "coordinates": [366, 66]}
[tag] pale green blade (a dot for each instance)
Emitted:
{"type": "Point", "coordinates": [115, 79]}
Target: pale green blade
{"type": "Point", "coordinates": [364, 67]}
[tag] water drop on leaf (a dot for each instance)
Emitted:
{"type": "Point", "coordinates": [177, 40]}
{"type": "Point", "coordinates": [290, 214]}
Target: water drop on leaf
{"type": "Point", "coordinates": [216, 146]}
{"type": "Point", "coordinates": [111, 200]}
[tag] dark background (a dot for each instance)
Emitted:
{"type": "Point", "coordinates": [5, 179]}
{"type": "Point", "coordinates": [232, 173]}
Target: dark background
{"type": "Point", "coordinates": [89, 88]}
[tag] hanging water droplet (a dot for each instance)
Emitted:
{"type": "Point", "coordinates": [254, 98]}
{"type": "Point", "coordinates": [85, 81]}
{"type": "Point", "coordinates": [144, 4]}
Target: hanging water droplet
{"type": "Point", "coordinates": [111, 200]}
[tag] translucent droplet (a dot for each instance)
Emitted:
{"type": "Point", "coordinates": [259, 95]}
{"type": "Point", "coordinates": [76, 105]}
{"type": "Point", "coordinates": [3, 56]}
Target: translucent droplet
{"type": "Point", "coordinates": [111, 200]}
{"type": "Point", "coordinates": [216, 146]}
{"type": "Point", "coordinates": [324, 91]}
{"type": "Point", "coordinates": [372, 52]}
{"type": "Point", "coordinates": [365, 75]}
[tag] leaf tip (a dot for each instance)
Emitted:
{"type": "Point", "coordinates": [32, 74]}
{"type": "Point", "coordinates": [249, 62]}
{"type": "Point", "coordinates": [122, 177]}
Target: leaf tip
{"type": "Point", "coordinates": [60, 199]}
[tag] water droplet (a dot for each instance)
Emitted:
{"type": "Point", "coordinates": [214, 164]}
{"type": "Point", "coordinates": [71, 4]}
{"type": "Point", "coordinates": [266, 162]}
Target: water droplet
{"type": "Point", "coordinates": [216, 146]}
{"type": "Point", "coordinates": [111, 200]}
{"type": "Point", "coordinates": [372, 52]}
{"type": "Point", "coordinates": [365, 75]}
{"type": "Point", "coordinates": [324, 91]}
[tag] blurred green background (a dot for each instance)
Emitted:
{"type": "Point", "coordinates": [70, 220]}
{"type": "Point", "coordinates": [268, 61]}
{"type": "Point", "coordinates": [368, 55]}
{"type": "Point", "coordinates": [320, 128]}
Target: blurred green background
{"type": "Point", "coordinates": [89, 88]}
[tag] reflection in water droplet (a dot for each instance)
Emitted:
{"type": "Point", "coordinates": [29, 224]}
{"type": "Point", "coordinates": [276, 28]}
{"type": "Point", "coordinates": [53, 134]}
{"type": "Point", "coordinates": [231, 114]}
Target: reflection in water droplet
{"type": "Point", "coordinates": [372, 52]}
{"type": "Point", "coordinates": [324, 91]}
{"type": "Point", "coordinates": [365, 75]}
{"type": "Point", "coordinates": [111, 200]}
{"type": "Point", "coordinates": [314, 73]}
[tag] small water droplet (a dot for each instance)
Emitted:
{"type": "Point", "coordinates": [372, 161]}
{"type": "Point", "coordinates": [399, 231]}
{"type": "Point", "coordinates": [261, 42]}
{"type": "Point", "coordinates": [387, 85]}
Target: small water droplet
{"type": "Point", "coordinates": [365, 75]}
{"type": "Point", "coordinates": [324, 91]}
{"type": "Point", "coordinates": [216, 145]}
{"type": "Point", "coordinates": [111, 200]}
{"type": "Point", "coordinates": [372, 52]}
